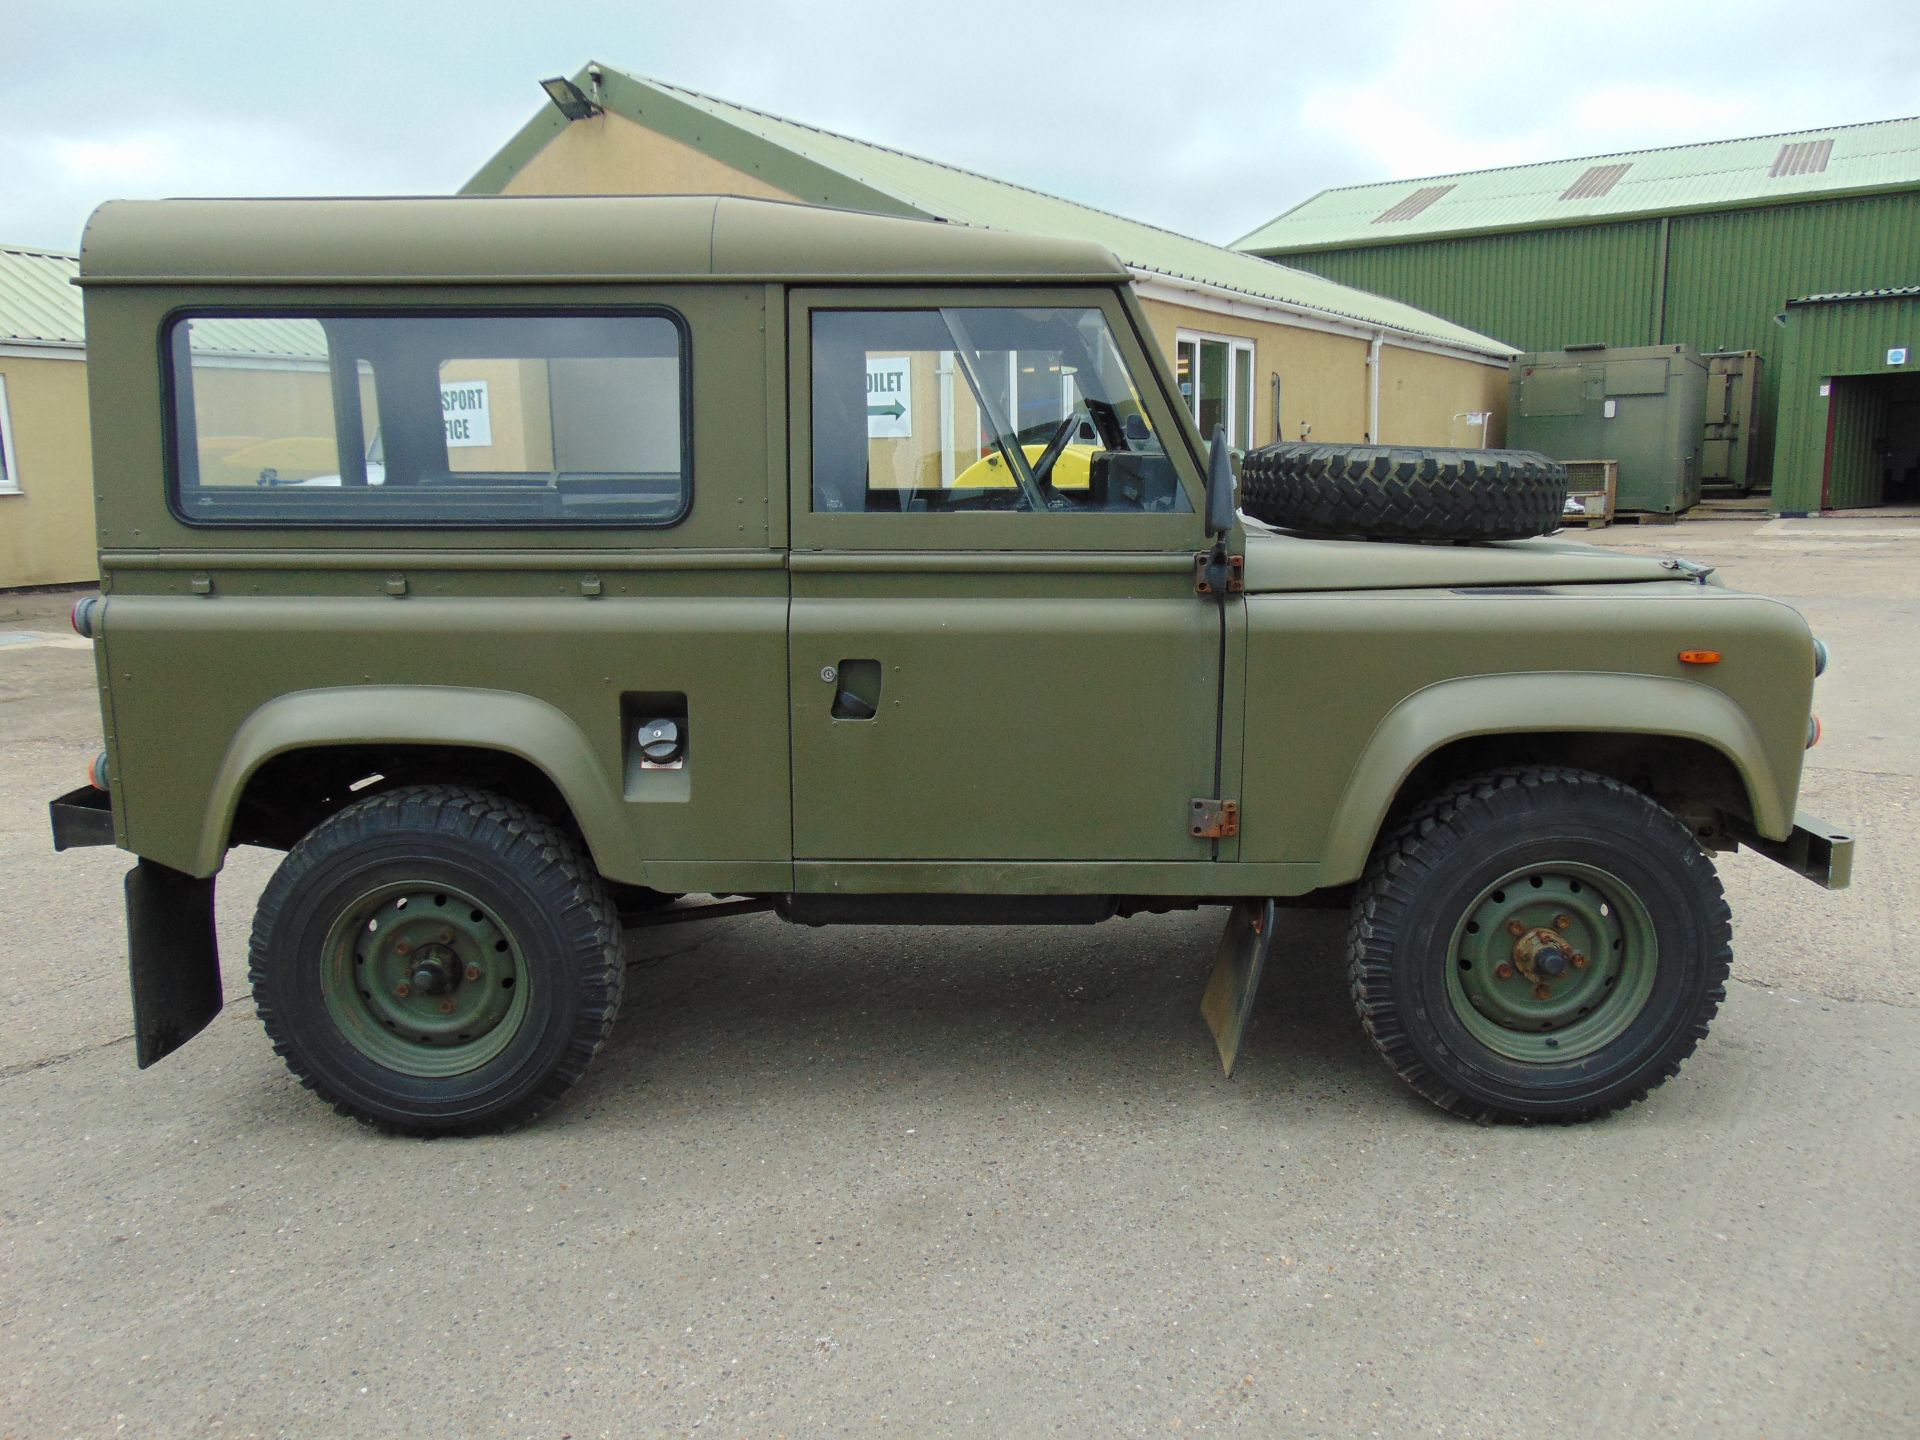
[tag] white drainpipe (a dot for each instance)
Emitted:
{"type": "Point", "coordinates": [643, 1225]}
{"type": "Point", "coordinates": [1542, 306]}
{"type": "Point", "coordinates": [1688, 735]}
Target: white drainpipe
{"type": "Point", "coordinates": [1373, 388]}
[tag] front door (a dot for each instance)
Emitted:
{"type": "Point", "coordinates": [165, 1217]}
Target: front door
{"type": "Point", "coordinates": [997, 654]}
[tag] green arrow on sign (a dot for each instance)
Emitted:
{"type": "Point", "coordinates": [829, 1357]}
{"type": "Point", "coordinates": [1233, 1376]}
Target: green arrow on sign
{"type": "Point", "coordinates": [896, 410]}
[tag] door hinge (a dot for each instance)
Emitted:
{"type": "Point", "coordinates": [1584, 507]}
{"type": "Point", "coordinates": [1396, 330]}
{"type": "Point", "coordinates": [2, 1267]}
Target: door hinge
{"type": "Point", "coordinates": [1213, 819]}
{"type": "Point", "coordinates": [1219, 573]}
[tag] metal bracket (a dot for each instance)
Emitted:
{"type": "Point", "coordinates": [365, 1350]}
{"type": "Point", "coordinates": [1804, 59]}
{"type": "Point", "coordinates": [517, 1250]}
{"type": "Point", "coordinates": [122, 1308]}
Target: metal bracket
{"type": "Point", "coordinates": [1213, 819]}
{"type": "Point", "coordinates": [1228, 574]}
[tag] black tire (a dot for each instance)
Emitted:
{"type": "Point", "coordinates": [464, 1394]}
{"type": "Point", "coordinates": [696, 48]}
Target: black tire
{"type": "Point", "coordinates": [1410, 965]}
{"type": "Point", "coordinates": [1395, 493]}
{"type": "Point", "coordinates": [503, 871]}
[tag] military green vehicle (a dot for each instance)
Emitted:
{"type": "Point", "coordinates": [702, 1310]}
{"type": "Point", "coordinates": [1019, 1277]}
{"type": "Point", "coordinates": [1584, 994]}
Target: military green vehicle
{"type": "Point", "coordinates": [523, 567]}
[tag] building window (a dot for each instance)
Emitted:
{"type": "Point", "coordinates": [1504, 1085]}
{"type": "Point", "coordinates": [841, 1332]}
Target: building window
{"type": "Point", "coordinates": [382, 419]}
{"type": "Point", "coordinates": [9, 465]}
{"type": "Point", "coordinates": [1216, 381]}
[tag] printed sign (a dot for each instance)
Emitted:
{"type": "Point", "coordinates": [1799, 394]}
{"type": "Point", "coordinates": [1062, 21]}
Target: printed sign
{"type": "Point", "coordinates": [889, 398]}
{"type": "Point", "coordinates": [465, 411]}
{"type": "Point", "coordinates": [1897, 355]}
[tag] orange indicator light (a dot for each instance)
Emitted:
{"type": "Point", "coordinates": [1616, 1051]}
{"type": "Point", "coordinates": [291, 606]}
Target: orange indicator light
{"type": "Point", "coordinates": [1699, 657]}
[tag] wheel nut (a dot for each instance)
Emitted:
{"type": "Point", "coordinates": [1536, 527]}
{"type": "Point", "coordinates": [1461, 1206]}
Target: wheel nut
{"type": "Point", "coordinates": [446, 937]}
{"type": "Point", "coordinates": [1503, 970]}
{"type": "Point", "coordinates": [403, 989]}
{"type": "Point", "coordinates": [1579, 962]}
{"type": "Point", "coordinates": [1561, 922]}
{"type": "Point", "coordinates": [1514, 927]}
{"type": "Point", "coordinates": [473, 972]}
{"type": "Point", "coordinates": [401, 947]}
{"type": "Point", "coordinates": [1543, 992]}
{"type": "Point", "coordinates": [446, 1007]}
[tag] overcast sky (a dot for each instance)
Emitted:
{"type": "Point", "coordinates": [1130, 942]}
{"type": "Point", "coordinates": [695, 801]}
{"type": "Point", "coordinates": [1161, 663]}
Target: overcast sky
{"type": "Point", "coordinates": [1203, 117]}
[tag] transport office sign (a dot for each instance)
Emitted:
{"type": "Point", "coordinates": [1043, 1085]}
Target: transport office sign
{"type": "Point", "coordinates": [466, 412]}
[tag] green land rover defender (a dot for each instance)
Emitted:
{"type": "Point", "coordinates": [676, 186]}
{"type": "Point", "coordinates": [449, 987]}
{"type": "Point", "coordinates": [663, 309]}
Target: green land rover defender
{"type": "Point", "coordinates": [521, 567]}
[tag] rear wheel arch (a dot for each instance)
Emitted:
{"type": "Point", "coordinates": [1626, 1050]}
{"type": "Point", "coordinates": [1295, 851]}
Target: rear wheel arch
{"type": "Point", "coordinates": [513, 744]}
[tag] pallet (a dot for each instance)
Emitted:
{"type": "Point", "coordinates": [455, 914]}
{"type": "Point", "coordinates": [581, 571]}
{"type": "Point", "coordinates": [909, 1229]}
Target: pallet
{"type": "Point", "coordinates": [1594, 483]}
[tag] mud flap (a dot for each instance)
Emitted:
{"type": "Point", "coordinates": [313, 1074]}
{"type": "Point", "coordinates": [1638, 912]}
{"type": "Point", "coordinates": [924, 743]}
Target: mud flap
{"type": "Point", "coordinates": [1227, 1003]}
{"type": "Point", "coordinates": [173, 956]}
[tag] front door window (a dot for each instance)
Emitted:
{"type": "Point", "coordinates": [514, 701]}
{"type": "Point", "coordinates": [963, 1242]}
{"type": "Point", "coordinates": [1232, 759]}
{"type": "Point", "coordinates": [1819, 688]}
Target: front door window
{"type": "Point", "coordinates": [977, 409]}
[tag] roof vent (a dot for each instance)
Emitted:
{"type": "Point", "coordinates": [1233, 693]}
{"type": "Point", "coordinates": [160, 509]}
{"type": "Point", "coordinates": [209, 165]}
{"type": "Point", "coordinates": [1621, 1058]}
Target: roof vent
{"type": "Point", "coordinates": [1802, 157]}
{"type": "Point", "coordinates": [1598, 180]}
{"type": "Point", "coordinates": [1412, 205]}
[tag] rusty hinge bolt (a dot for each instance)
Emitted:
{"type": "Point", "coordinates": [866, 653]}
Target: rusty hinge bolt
{"type": "Point", "coordinates": [1213, 819]}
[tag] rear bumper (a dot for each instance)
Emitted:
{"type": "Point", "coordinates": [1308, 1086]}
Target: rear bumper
{"type": "Point", "coordinates": [81, 817]}
{"type": "Point", "coordinates": [1815, 850]}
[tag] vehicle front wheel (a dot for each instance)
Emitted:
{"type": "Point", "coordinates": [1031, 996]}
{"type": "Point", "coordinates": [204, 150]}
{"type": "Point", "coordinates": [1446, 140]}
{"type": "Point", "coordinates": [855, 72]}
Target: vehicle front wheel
{"type": "Point", "coordinates": [437, 960]}
{"type": "Point", "coordinates": [1538, 944]}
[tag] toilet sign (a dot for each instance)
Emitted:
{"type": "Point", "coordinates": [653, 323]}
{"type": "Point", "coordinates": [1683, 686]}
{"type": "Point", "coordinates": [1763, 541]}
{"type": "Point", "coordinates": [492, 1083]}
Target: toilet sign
{"type": "Point", "coordinates": [466, 414]}
{"type": "Point", "coordinates": [889, 398]}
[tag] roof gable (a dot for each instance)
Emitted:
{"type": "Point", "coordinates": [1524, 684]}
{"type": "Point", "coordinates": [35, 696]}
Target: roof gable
{"type": "Point", "coordinates": [1764, 169]}
{"type": "Point", "coordinates": [830, 168]}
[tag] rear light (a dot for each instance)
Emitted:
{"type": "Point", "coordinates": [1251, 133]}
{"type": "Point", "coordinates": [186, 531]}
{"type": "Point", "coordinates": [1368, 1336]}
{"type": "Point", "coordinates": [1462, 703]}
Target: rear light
{"type": "Point", "coordinates": [1813, 731]}
{"type": "Point", "coordinates": [97, 773]}
{"type": "Point", "coordinates": [85, 615]}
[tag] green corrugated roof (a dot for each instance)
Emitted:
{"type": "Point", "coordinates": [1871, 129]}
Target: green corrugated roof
{"type": "Point", "coordinates": [37, 305]}
{"type": "Point", "coordinates": [824, 167]}
{"type": "Point", "coordinates": [40, 306]}
{"type": "Point", "coordinates": [1884, 155]}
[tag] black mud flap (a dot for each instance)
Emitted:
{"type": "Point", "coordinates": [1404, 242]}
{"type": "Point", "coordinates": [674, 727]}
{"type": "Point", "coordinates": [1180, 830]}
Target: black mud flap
{"type": "Point", "coordinates": [1227, 1003]}
{"type": "Point", "coordinates": [173, 956]}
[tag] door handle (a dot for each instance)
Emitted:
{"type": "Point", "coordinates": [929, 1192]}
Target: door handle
{"type": "Point", "coordinates": [856, 689]}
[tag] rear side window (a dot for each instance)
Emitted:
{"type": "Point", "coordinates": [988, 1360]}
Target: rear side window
{"type": "Point", "coordinates": [430, 419]}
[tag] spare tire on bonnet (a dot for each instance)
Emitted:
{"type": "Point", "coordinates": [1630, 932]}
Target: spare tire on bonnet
{"type": "Point", "coordinates": [1393, 492]}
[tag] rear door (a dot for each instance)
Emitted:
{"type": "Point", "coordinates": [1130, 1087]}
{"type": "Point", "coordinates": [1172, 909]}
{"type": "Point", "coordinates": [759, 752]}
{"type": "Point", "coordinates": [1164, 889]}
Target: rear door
{"type": "Point", "coordinates": [997, 653]}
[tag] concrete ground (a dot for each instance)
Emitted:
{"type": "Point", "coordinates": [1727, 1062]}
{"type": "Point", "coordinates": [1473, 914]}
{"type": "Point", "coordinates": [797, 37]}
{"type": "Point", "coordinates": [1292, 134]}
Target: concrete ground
{"type": "Point", "coordinates": [899, 1182]}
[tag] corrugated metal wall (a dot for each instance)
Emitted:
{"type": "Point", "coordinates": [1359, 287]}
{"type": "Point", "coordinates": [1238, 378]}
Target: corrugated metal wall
{"type": "Point", "coordinates": [1830, 343]}
{"type": "Point", "coordinates": [1727, 274]}
{"type": "Point", "coordinates": [1539, 290]}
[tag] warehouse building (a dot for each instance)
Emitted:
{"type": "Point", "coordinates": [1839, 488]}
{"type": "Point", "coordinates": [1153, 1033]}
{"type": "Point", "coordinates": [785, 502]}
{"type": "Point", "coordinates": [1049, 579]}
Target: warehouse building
{"type": "Point", "coordinates": [1799, 247]}
{"type": "Point", "coordinates": [46, 460]}
{"type": "Point", "coordinates": [1268, 352]}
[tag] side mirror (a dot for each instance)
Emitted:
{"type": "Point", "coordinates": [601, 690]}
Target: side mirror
{"type": "Point", "coordinates": [1221, 498]}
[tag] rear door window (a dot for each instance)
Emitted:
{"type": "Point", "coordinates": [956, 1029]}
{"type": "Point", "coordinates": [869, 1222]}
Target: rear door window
{"type": "Point", "coordinates": [430, 419]}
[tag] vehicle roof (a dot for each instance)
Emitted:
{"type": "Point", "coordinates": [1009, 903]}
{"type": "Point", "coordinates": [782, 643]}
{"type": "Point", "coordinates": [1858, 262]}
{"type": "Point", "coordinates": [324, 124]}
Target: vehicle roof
{"type": "Point", "coordinates": [552, 239]}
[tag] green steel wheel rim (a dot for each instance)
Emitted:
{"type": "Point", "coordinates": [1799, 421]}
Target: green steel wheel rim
{"type": "Point", "coordinates": [1551, 962]}
{"type": "Point", "coordinates": [423, 979]}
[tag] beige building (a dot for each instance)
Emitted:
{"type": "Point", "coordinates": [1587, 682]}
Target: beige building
{"type": "Point", "coordinates": [46, 458]}
{"type": "Point", "coordinates": [1268, 352]}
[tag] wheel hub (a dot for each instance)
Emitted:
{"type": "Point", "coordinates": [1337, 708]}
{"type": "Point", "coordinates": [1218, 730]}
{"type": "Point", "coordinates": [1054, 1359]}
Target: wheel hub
{"type": "Point", "coordinates": [1551, 962]}
{"type": "Point", "coordinates": [424, 980]}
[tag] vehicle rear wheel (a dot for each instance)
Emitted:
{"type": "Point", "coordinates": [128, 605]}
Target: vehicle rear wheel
{"type": "Point", "coordinates": [437, 960]}
{"type": "Point", "coordinates": [1538, 944]}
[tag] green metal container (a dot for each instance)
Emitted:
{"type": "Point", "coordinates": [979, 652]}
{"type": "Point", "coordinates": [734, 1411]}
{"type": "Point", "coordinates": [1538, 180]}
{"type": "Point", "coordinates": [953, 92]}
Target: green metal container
{"type": "Point", "coordinates": [1642, 407]}
{"type": "Point", "coordinates": [1730, 459]}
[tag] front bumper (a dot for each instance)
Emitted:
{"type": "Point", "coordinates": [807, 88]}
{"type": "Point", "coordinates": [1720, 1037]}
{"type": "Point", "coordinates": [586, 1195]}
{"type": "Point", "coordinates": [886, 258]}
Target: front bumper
{"type": "Point", "coordinates": [1815, 849]}
{"type": "Point", "coordinates": [81, 817]}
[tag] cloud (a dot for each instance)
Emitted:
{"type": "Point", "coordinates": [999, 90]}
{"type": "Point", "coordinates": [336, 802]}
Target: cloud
{"type": "Point", "coordinates": [1209, 118]}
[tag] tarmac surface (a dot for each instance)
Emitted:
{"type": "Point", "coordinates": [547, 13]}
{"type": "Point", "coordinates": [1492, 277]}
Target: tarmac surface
{"type": "Point", "coordinates": [893, 1181]}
